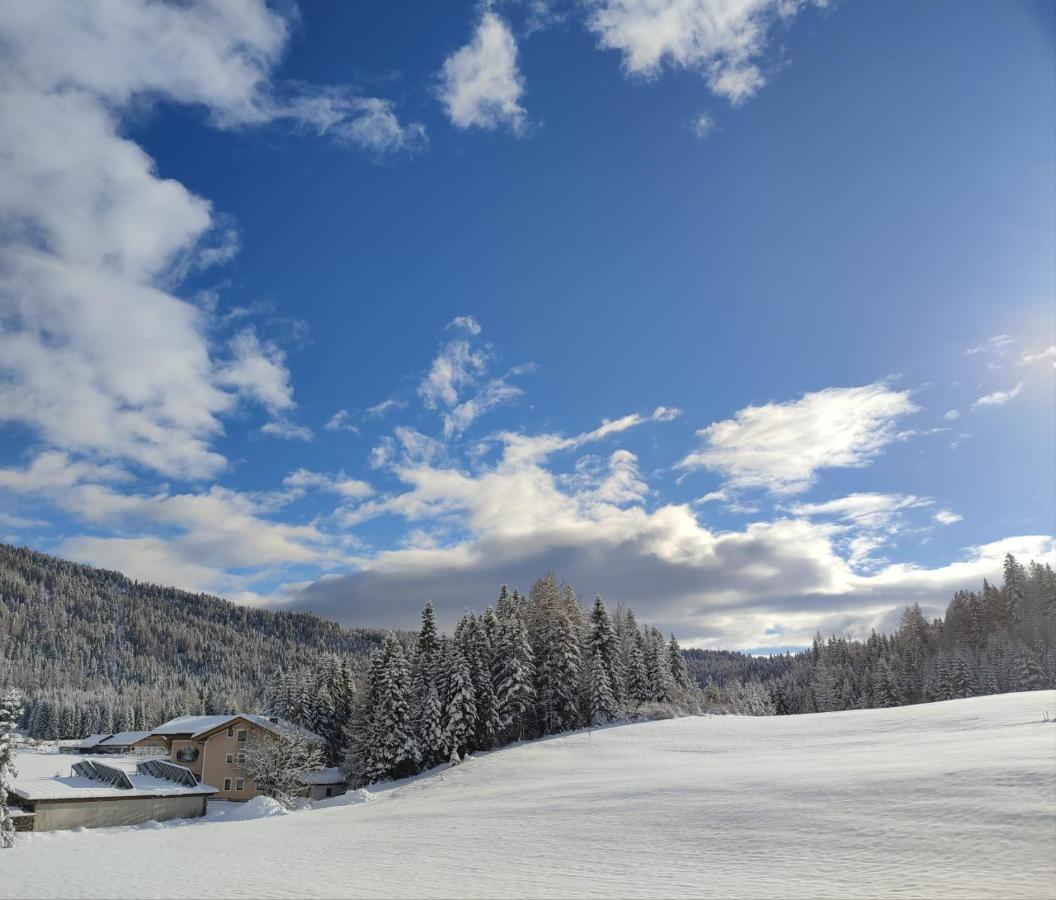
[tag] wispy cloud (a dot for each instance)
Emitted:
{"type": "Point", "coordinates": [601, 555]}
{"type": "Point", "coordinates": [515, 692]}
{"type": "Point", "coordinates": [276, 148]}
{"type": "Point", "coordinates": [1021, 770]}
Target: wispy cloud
{"type": "Point", "coordinates": [999, 398]}
{"type": "Point", "coordinates": [341, 421]}
{"type": "Point", "coordinates": [458, 385]}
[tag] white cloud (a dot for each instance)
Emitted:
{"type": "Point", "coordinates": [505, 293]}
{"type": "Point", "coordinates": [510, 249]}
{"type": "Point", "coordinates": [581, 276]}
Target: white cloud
{"type": "Point", "coordinates": [53, 469]}
{"type": "Point", "coordinates": [947, 517]}
{"type": "Point", "coordinates": [341, 421]}
{"type": "Point", "coordinates": [481, 85]}
{"type": "Point", "coordinates": [951, 415]}
{"type": "Point", "coordinates": [724, 40]}
{"type": "Point", "coordinates": [97, 355]}
{"type": "Point", "coordinates": [870, 509]}
{"type": "Point", "coordinates": [257, 371]}
{"type": "Point", "coordinates": [782, 446]}
{"type": "Point", "coordinates": [350, 488]}
{"type": "Point", "coordinates": [198, 541]}
{"type": "Point", "coordinates": [466, 323]}
{"type": "Point", "coordinates": [380, 410]}
{"type": "Point", "coordinates": [513, 520]}
{"type": "Point", "coordinates": [287, 430]}
{"type": "Point", "coordinates": [1039, 356]}
{"type": "Point", "coordinates": [456, 385]}
{"type": "Point", "coordinates": [998, 398]}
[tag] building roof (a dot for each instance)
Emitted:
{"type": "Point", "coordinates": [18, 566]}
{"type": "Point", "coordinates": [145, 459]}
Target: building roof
{"type": "Point", "coordinates": [91, 740]}
{"type": "Point", "coordinates": [123, 738]}
{"type": "Point", "coordinates": [198, 726]}
{"type": "Point", "coordinates": [80, 787]}
{"type": "Point", "coordinates": [332, 775]}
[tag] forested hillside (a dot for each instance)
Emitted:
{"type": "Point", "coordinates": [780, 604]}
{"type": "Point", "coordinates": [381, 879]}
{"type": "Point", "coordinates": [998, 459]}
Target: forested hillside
{"type": "Point", "coordinates": [93, 650]}
{"type": "Point", "coordinates": [995, 640]}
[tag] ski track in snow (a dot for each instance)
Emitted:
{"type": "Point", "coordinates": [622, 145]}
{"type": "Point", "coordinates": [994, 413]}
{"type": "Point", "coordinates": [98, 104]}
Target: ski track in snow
{"type": "Point", "coordinates": [953, 799]}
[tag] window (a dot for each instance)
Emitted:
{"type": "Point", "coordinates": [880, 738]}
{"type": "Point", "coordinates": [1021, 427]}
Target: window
{"type": "Point", "coordinates": [230, 758]}
{"type": "Point", "coordinates": [187, 754]}
{"type": "Point", "coordinates": [243, 734]}
{"type": "Point", "coordinates": [230, 732]}
{"type": "Point", "coordinates": [241, 758]}
{"type": "Point", "coordinates": [227, 784]}
{"type": "Point", "coordinates": [240, 784]}
{"type": "Point", "coordinates": [329, 792]}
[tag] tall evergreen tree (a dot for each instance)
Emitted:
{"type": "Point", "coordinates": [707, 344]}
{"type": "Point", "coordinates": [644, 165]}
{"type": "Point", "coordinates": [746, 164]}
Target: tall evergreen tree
{"type": "Point", "coordinates": [10, 706]}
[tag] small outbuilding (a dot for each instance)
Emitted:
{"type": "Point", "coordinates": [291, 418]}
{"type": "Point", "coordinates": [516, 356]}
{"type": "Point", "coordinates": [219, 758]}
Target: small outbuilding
{"type": "Point", "coordinates": [324, 783]}
{"type": "Point", "coordinates": [88, 744]}
{"type": "Point", "coordinates": [98, 795]}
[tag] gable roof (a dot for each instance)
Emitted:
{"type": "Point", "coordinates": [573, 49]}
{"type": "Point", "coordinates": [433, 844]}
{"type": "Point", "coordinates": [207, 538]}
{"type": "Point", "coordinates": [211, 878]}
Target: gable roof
{"type": "Point", "coordinates": [123, 738]}
{"type": "Point", "coordinates": [198, 727]}
{"type": "Point", "coordinates": [92, 740]}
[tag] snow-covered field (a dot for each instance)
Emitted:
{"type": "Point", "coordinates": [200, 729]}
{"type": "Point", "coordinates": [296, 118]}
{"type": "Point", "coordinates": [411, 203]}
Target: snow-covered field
{"type": "Point", "coordinates": [952, 799]}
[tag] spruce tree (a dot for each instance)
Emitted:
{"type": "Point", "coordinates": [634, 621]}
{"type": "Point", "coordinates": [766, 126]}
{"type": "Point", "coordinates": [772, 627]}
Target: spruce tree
{"type": "Point", "coordinates": [398, 748]}
{"type": "Point", "coordinates": [10, 709]}
{"type": "Point", "coordinates": [677, 663]}
{"type": "Point", "coordinates": [602, 703]}
{"type": "Point", "coordinates": [461, 708]}
{"type": "Point", "coordinates": [514, 673]}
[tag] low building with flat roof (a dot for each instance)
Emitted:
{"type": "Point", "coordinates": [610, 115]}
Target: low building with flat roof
{"type": "Point", "coordinates": [98, 795]}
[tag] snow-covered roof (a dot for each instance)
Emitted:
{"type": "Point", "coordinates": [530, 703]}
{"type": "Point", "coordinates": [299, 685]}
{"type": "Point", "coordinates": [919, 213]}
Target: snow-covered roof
{"type": "Point", "coordinates": [91, 740]}
{"type": "Point", "coordinates": [196, 726]}
{"type": "Point", "coordinates": [78, 787]}
{"type": "Point", "coordinates": [332, 775]}
{"type": "Point", "coordinates": [124, 738]}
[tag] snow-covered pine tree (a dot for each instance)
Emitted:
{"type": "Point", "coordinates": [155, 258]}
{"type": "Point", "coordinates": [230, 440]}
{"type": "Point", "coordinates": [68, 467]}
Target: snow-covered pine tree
{"type": "Point", "coordinates": [559, 675]}
{"type": "Point", "coordinates": [602, 703]}
{"type": "Point", "coordinates": [362, 762]}
{"type": "Point", "coordinates": [513, 670]}
{"type": "Point", "coordinates": [479, 657]}
{"type": "Point", "coordinates": [398, 755]}
{"type": "Point", "coordinates": [461, 707]}
{"type": "Point", "coordinates": [638, 690]}
{"type": "Point", "coordinates": [10, 710]}
{"type": "Point", "coordinates": [657, 669]}
{"type": "Point", "coordinates": [432, 741]}
{"type": "Point", "coordinates": [1014, 589]}
{"type": "Point", "coordinates": [677, 663]}
{"type": "Point", "coordinates": [602, 641]}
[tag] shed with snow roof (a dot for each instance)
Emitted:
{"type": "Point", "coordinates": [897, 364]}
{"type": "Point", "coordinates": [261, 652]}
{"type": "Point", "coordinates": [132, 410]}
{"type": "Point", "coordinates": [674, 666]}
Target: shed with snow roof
{"type": "Point", "coordinates": [98, 795]}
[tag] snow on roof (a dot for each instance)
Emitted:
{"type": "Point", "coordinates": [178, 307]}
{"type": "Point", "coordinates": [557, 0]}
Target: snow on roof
{"type": "Point", "coordinates": [332, 775]}
{"type": "Point", "coordinates": [196, 726]}
{"type": "Point", "coordinates": [91, 740]}
{"type": "Point", "coordinates": [77, 787]}
{"type": "Point", "coordinates": [123, 738]}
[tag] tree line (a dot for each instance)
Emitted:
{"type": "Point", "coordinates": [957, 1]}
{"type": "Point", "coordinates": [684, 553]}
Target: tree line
{"type": "Point", "coordinates": [994, 640]}
{"type": "Point", "coordinates": [532, 665]}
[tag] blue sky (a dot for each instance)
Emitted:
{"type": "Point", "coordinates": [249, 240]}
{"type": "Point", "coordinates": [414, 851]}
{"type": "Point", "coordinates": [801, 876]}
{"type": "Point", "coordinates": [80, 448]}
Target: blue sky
{"type": "Point", "coordinates": [741, 313]}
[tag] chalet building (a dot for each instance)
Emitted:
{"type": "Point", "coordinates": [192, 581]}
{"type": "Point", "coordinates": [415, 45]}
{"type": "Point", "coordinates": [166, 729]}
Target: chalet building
{"type": "Point", "coordinates": [98, 795]}
{"type": "Point", "coordinates": [212, 748]}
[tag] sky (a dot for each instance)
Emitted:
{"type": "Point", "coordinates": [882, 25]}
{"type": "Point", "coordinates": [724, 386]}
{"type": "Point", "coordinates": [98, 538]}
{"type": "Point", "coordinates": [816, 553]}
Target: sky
{"type": "Point", "coordinates": [739, 312]}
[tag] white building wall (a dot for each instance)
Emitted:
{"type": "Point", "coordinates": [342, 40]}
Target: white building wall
{"type": "Point", "coordinates": [58, 816]}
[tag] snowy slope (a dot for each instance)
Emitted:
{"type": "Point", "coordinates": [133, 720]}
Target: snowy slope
{"type": "Point", "coordinates": [952, 799]}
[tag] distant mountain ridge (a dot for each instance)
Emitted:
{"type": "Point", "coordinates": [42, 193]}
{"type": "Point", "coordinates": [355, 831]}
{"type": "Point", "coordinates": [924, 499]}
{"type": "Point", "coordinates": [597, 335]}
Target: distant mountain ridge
{"type": "Point", "coordinates": [106, 653]}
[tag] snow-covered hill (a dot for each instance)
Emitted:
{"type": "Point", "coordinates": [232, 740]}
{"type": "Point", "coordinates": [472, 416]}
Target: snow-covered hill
{"type": "Point", "coordinates": [952, 799]}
